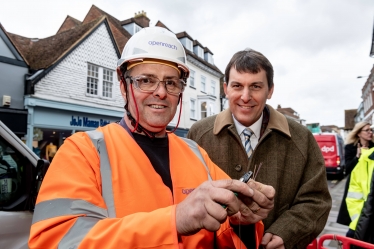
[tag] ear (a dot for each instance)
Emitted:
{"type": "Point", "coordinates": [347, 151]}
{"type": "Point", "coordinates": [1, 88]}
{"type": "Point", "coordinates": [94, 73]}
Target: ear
{"type": "Point", "coordinates": [271, 92]}
{"type": "Point", "coordinates": [225, 88]}
{"type": "Point", "coordinates": [123, 90]}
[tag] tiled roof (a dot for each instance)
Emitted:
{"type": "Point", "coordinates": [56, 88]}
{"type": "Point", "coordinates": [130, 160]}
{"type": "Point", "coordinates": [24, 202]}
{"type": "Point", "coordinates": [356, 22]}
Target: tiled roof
{"type": "Point", "coordinates": [214, 67]}
{"type": "Point", "coordinates": [43, 53]}
{"type": "Point", "coordinates": [69, 23]}
{"type": "Point", "coordinates": [188, 52]}
{"type": "Point", "coordinates": [142, 21]}
{"type": "Point", "coordinates": [121, 36]}
{"type": "Point", "coordinates": [349, 118]}
{"type": "Point", "coordinates": [130, 20]}
{"type": "Point", "coordinates": [184, 34]}
{"type": "Point", "coordinates": [206, 50]}
{"type": "Point", "coordinates": [160, 24]}
{"type": "Point", "coordinates": [196, 42]}
{"type": "Point", "coordinates": [14, 44]}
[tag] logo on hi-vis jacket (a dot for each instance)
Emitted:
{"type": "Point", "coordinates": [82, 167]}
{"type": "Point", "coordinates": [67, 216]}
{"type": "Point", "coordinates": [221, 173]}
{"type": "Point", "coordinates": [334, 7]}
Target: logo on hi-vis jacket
{"type": "Point", "coordinates": [186, 191]}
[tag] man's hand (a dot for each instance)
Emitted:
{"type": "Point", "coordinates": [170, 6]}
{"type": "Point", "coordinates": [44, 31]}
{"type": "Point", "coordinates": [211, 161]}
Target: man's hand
{"type": "Point", "coordinates": [256, 207]}
{"type": "Point", "coordinates": [271, 241]}
{"type": "Point", "coordinates": [203, 207]}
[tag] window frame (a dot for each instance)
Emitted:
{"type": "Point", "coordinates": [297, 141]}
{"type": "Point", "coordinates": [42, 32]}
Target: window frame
{"type": "Point", "coordinates": [189, 44]}
{"type": "Point", "coordinates": [203, 83]}
{"type": "Point", "coordinates": [91, 70]}
{"type": "Point", "coordinates": [213, 87]}
{"type": "Point", "coordinates": [203, 104]}
{"type": "Point", "coordinates": [137, 28]}
{"type": "Point", "coordinates": [105, 82]}
{"type": "Point", "coordinates": [193, 108]}
{"type": "Point", "coordinates": [192, 79]}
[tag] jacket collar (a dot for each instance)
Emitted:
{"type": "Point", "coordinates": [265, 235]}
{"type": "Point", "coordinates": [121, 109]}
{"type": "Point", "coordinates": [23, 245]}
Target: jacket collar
{"type": "Point", "coordinates": [277, 121]}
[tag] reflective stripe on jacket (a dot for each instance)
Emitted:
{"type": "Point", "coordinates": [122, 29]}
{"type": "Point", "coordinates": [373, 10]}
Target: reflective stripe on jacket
{"type": "Point", "coordinates": [89, 200]}
{"type": "Point", "coordinates": [359, 186]}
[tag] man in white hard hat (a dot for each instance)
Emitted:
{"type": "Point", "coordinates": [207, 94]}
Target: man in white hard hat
{"type": "Point", "coordinates": [134, 185]}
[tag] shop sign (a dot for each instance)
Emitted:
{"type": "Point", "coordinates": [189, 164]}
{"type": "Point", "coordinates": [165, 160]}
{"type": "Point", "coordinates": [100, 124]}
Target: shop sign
{"type": "Point", "coordinates": [86, 122]}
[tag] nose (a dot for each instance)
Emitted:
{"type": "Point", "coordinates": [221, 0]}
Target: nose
{"type": "Point", "coordinates": [246, 95]}
{"type": "Point", "coordinates": [160, 90]}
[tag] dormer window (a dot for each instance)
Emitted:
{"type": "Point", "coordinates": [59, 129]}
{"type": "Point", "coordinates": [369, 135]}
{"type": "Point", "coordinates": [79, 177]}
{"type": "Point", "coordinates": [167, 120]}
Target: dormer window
{"type": "Point", "coordinates": [187, 43]}
{"type": "Point", "coordinates": [137, 28]}
{"type": "Point", "coordinates": [199, 51]}
{"type": "Point", "coordinates": [209, 57]}
{"type": "Point", "coordinates": [132, 28]}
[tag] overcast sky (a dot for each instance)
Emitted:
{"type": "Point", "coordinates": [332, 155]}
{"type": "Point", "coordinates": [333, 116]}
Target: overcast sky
{"type": "Point", "coordinates": [317, 47]}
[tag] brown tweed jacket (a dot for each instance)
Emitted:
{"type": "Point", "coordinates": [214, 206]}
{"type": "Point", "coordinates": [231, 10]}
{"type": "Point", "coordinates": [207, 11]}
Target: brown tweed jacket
{"type": "Point", "coordinates": [291, 162]}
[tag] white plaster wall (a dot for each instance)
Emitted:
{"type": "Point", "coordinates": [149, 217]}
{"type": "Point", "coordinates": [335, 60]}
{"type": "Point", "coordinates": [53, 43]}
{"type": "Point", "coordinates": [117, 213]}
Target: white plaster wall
{"type": "Point", "coordinates": [68, 80]}
{"type": "Point", "coordinates": [185, 121]}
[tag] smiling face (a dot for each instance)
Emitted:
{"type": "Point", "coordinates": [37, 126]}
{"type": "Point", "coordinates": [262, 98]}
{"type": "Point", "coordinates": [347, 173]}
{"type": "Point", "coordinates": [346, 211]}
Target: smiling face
{"type": "Point", "coordinates": [156, 109]}
{"type": "Point", "coordinates": [247, 94]}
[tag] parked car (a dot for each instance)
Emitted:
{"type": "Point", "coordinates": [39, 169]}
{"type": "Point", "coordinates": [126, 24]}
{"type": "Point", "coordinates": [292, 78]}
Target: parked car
{"type": "Point", "coordinates": [21, 173]}
{"type": "Point", "coordinates": [332, 147]}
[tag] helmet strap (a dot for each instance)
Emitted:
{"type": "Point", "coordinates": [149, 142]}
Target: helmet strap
{"type": "Point", "coordinates": [138, 126]}
{"type": "Point", "coordinates": [135, 122]}
{"type": "Point", "coordinates": [180, 113]}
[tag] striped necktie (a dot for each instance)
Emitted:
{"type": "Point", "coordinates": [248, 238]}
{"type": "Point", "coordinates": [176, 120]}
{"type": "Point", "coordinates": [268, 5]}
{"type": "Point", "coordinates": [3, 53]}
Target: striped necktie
{"type": "Point", "coordinates": [247, 143]}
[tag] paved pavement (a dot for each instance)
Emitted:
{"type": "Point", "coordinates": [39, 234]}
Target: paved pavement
{"type": "Point", "coordinates": [336, 191]}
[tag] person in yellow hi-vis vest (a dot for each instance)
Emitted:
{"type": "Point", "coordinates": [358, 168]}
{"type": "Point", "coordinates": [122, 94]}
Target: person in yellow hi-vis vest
{"type": "Point", "coordinates": [360, 198]}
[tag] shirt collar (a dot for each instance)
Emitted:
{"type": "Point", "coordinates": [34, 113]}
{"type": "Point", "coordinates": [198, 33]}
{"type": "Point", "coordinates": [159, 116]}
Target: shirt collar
{"type": "Point", "coordinates": [255, 127]}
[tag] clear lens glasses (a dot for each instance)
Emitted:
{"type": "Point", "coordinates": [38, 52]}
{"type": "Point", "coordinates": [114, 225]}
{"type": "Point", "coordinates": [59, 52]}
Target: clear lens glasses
{"type": "Point", "coordinates": [368, 130]}
{"type": "Point", "coordinates": [145, 83]}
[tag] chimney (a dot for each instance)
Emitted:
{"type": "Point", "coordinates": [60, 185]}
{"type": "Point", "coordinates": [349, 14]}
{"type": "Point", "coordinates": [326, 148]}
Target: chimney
{"type": "Point", "coordinates": [142, 18]}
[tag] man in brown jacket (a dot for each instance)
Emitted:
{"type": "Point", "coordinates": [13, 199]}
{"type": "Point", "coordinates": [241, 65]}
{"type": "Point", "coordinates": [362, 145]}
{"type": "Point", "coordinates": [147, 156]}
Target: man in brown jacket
{"type": "Point", "coordinates": [251, 133]}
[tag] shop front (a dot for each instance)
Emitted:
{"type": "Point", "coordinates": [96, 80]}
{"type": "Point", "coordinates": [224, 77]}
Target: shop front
{"type": "Point", "coordinates": [51, 122]}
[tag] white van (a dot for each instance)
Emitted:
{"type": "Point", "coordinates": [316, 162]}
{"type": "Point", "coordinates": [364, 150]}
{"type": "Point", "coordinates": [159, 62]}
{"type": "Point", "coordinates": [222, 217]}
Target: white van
{"type": "Point", "coordinates": [21, 173]}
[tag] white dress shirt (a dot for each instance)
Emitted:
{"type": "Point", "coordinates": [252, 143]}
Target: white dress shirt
{"type": "Point", "coordinates": [255, 128]}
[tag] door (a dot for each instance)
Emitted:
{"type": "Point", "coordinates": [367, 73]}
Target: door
{"type": "Point", "coordinates": [17, 168]}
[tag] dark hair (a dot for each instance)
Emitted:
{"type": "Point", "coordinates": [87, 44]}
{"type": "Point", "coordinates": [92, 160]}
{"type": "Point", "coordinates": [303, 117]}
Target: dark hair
{"type": "Point", "coordinates": [250, 61]}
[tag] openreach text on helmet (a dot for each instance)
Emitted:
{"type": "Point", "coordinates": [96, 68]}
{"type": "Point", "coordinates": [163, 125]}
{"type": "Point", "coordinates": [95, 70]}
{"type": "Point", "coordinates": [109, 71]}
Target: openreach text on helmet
{"type": "Point", "coordinates": [154, 43]}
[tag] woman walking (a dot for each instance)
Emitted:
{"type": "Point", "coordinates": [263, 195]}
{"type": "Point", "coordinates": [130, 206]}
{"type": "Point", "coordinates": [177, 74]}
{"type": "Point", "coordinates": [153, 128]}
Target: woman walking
{"type": "Point", "coordinates": [360, 138]}
{"type": "Point", "coordinates": [360, 202]}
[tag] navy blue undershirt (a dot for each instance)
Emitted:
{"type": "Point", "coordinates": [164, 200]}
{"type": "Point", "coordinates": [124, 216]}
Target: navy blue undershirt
{"type": "Point", "coordinates": [157, 151]}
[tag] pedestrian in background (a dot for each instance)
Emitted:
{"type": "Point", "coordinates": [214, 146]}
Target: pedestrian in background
{"type": "Point", "coordinates": [359, 138]}
{"type": "Point", "coordinates": [251, 135]}
{"type": "Point", "coordinates": [132, 184]}
{"type": "Point", "coordinates": [359, 199]}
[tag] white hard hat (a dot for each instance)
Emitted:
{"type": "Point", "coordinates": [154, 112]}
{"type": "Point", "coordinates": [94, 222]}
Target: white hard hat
{"type": "Point", "coordinates": [155, 43]}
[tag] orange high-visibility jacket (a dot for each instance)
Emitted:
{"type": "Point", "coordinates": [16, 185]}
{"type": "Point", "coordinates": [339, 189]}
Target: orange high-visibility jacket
{"type": "Point", "coordinates": [116, 199]}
